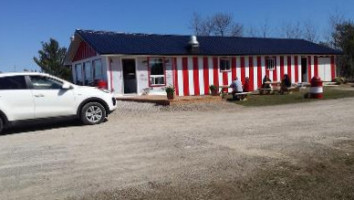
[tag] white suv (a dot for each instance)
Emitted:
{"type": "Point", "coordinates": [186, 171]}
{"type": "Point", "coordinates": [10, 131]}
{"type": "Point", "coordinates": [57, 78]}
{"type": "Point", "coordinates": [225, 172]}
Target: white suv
{"type": "Point", "coordinates": [32, 96]}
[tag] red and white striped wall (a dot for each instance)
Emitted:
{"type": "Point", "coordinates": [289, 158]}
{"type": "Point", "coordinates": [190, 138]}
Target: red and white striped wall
{"type": "Point", "coordinates": [194, 75]}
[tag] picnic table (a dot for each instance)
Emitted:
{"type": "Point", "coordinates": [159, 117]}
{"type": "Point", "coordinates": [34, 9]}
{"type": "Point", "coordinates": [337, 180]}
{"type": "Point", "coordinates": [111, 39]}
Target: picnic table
{"type": "Point", "coordinates": [224, 89]}
{"type": "Point", "coordinates": [242, 96]}
{"type": "Point", "coordinates": [274, 87]}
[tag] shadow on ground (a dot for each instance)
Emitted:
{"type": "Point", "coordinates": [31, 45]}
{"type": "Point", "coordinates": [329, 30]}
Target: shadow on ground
{"type": "Point", "coordinates": [41, 126]}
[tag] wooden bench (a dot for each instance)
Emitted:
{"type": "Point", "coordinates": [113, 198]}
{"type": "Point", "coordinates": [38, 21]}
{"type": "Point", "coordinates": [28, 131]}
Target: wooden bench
{"type": "Point", "coordinates": [263, 91]}
{"type": "Point", "coordinates": [288, 90]}
{"type": "Point", "coordinates": [242, 96]}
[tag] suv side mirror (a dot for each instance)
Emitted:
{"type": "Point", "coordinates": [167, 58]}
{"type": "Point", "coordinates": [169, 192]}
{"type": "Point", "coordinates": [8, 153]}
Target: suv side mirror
{"type": "Point", "coordinates": [66, 86]}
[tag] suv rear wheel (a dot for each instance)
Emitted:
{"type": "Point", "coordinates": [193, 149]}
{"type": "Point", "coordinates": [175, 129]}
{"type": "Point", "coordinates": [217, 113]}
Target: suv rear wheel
{"type": "Point", "coordinates": [93, 113]}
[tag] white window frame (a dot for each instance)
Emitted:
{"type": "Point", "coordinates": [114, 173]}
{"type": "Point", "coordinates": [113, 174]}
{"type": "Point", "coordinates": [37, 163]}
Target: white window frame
{"type": "Point", "coordinates": [225, 59]}
{"type": "Point", "coordinates": [153, 78]}
{"type": "Point", "coordinates": [270, 63]}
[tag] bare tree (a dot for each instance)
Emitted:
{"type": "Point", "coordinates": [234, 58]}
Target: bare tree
{"type": "Point", "coordinates": [237, 30]}
{"type": "Point", "coordinates": [251, 32]}
{"type": "Point", "coordinates": [207, 27]}
{"type": "Point", "coordinates": [219, 24]}
{"type": "Point", "coordinates": [196, 24]}
{"type": "Point", "coordinates": [309, 32]}
{"type": "Point", "coordinates": [222, 23]}
{"type": "Point", "coordinates": [264, 29]}
{"type": "Point", "coordinates": [292, 30]}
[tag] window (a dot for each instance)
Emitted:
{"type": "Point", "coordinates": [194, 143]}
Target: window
{"type": "Point", "coordinates": [157, 71]}
{"type": "Point", "coordinates": [88, 72]}
{"type": "Point", "coordinates": [225, 64]}
{"type": "Point", "coordinates": [45, 83]}
{"type": "Point", "coordinates": [97, 70]}
{"type": "Point", "coordinates": [13, 83]}
{"type": "Point", "coordinates": [270, 63]}
{"type": "Point", "coordinates": [78, 72]}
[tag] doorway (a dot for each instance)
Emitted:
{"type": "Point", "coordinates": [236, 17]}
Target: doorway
{"type": "Point", "coordinates": [129, 76]}
{"type": "Point", "coordinates": [304, 69]}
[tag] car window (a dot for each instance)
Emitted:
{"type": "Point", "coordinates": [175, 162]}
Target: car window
{"type": "Point", "coordinates": [45, 83]}
{"type": "Point", "coordinates": [13, 83]}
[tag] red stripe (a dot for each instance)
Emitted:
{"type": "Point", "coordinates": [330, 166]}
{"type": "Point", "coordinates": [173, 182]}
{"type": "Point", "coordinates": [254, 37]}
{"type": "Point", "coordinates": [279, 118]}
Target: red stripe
{"type": "Point", "coordinates": [225, 79]}
{"type": "Point", "coordinates": [296, 69]}
{"type": "Point", "coordinates": [275, 71]}
{"type": "Point", "coordinates": [259, 71]}
{"type": "Point", "coordinates": [233, 68]}
{"type": "Point", "coordinates": [309, 68]}
{"type": "Point", "coordinates": [175, 81]}
{"type": "Point", "coordinates": [196, 76]}
{"type": "Point", "coordinates": [243, 70]}
{"type": "Point", "coordinates": [185, 76]}
{"type": "Point", "coordinates": [333, 68]}
{"type": "Point", "coordinates": [251, 73]}
{"type": "Point", "coordinates": [216, 71]}
{"type": "Point", "coordinates": [316, 66]}
{"type": "Point", "coordinates": [206, 75]}
{"type": "Point", "coordinates": [289, 68]}
{"type": "Point", "coordinates": [281, 67]}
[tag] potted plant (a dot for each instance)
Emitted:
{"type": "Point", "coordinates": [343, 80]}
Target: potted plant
{"type": "Point", "coordinates": [214, 90]}
{"type": "Point", "coordinates": [170, 90]}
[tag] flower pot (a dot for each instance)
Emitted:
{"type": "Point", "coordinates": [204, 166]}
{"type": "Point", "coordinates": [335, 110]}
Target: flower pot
{"type": "Point", "coordinates": [214, 93]}
{"type": "Point", "coordinates": [170, 96]}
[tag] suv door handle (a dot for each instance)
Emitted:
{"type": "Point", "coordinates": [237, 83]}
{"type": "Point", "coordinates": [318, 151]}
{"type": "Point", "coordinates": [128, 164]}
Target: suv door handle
{"type": "Point", "coordinates": [39, 95]}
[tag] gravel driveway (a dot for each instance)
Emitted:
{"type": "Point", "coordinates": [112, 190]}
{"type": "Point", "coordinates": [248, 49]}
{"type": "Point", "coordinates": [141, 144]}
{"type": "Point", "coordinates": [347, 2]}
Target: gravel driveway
{"type": "Point", "coordinates": [143, 144]}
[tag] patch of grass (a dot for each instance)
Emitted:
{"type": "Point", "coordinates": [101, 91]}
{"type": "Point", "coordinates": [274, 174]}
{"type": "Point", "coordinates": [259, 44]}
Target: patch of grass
{"type": "Point", "coordinates": [295, 97]}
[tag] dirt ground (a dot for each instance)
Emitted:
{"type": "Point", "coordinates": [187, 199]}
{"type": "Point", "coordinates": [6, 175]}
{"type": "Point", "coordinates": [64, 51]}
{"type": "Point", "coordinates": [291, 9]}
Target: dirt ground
{"type": "Point", "coordinates": [301, 151]}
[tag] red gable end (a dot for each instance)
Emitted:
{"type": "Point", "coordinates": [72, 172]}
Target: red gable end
{"type": "Point", "coordinates": [84, 51]}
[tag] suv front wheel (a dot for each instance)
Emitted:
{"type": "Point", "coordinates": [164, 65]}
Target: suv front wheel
{"type": "Point", "coordinates": [93, 113]}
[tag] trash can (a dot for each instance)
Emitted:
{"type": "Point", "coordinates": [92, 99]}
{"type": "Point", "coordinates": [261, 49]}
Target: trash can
{"type": "Point", "coordinates": [316, 89]}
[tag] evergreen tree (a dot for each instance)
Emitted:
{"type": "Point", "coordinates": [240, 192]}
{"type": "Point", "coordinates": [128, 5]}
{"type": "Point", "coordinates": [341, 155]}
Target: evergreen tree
{"type": "Point", "coordinates": [343, 39]}
{"type": "Point", "coordinates": [51, 59]}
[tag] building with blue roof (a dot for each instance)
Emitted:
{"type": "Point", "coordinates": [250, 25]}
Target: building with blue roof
{"type": "Point", "coordinates": [147, 63]}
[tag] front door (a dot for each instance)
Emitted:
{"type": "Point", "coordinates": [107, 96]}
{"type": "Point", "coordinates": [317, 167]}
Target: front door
{"type": "Point", "coordinates": [304, 70]}
{"type": "Point", "coordinates": [129, 76]}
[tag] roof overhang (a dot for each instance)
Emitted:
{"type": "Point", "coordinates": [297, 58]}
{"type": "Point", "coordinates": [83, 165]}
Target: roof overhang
{"type": "Point", "coordinates": [74, 46]}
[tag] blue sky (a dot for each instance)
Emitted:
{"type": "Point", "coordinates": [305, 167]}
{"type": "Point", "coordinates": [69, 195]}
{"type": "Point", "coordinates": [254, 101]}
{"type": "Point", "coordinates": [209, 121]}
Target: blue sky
{"type": "Point", "coordinates": [24, 24]}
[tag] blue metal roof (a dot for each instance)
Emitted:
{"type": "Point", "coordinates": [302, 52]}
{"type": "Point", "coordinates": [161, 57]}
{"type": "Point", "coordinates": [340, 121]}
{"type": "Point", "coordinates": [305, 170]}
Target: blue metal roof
{"type": "Point", "coordinates": [150, 44]}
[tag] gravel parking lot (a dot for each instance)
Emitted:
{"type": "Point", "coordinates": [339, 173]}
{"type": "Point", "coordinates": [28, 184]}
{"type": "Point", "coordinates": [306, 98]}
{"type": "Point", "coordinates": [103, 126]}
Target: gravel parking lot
{"type": "Point", "coordinates": [144, 146]}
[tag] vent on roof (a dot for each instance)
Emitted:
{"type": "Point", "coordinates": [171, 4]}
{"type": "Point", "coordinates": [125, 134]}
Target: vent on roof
{"type": "Point", "coordinates": [193, 44]}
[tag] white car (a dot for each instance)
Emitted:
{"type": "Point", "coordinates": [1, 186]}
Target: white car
{"type": "Point", "coordinates": [31, 96]}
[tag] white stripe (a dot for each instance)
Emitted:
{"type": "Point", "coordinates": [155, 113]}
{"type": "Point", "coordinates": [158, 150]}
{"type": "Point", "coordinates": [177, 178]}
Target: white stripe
{"type": "Point", "coordinates": [180, 76]}
{"type": "Point", "coordinates": [286, 65]}
{"type": "Point", "coordinates": [255, 73]}
{"type": "Point", "coordinates": [247, 65]}
{"type": "Point", "coordinates": [263, 67]}
{"type": "Point", "coordinates": [312, 67]}
{"type": "Point", "coordinates": [292, 69]}
{"type": "Point", "coordinates": [299, 69]}
{"type": "Point", "coordinates": [278, 68]}
{"type": "Point", "coordinates": [316, 90]}
{"type": "Point", "coordinates": [211, 71]}
{"type": "Point", "coordinates": [238, 67]}
{"type": "Point", "coordinates": [190, 76]}
{"type": "Point", "coordinates": [201, 75]}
